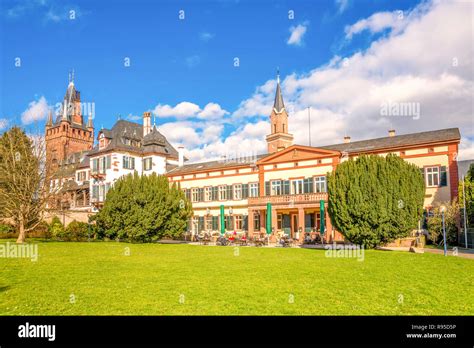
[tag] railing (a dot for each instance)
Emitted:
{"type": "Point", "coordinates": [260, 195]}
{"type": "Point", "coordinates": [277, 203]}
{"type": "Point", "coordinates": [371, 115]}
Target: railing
{"type": "Point", "coordinates": [289, 199]}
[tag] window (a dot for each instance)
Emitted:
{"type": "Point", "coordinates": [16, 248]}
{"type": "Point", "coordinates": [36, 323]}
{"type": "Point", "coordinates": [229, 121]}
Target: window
{"type": "Point", "coordinates": [253, 192]}
{"type": "Point", "coordinates": [81, 176]}
{"type": "Point", "coordinates": [238, 222]}
{"type": "Point", "coordinates": [215, 223]}
{"type": "Point", "coordinates": [222, 193]}
{"type": "Point", "coordinates": [126, 141]}
{"type": "Point", "coordinates": [195, 195]}
{"type": "Point", "coordinates": [238, 191]}
{"type": "Point", "coordinates": [229, 223]}
{"type": "Point", "coordinates": [276, 188]}
{"type": "Point", "coordinates": [147, 163]}
{"type": "Point", "coordinates": [187, 193]}
{"type": "Point", "coordinates": [320, 184]}
{"type": "Point", "coordinates": [230, 192]}
{"type": "Point", "coordinates": [208, 194]}
{"type": "Point", "coordinates": [432, 176]}
{"type": "Point", "coordinates": [279, 221]}
{"type": "Point", "coordinates": [208, 224]}
{"type": "Point", "coordinates": [297, 186]}
{"type": "Point", "coordinates": [128, 162]}
{"type": "Point", "coordinates": [256, 222]}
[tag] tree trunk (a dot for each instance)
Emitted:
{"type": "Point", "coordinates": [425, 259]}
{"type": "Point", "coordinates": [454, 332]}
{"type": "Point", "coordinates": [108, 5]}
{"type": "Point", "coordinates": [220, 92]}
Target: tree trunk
{"type": "Point", "coordinates": [22, 234]}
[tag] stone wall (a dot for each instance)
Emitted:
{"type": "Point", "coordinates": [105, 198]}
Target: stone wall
{"type": "Point", "coordinates": [68, 216]}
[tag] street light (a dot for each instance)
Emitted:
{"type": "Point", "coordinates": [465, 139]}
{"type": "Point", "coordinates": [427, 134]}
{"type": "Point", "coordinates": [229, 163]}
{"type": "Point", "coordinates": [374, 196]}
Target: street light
{"type": "Point", "coordinates": [442, 209]}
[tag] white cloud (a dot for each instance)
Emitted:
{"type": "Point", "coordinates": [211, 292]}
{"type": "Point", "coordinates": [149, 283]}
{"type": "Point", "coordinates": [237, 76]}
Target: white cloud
{"type": "Point", "coordinates": [297, 33]}
{"type": "Point", "coordinates": [181, 110]}
{"type": "Point", "coordinates": [37, 111]}
{"type": "Point", "coordinates": [205, 36]}
{"type": "Point", "coordinates": [346, 94]}
{"type": "Point", "coordinates": [212, 111]}
{"type": "Point", "coordinates": [3, 123]}
{"type": "Point", "coordinates": [342, 5]}
{"type": "Point", "coordinates": [378, 22]}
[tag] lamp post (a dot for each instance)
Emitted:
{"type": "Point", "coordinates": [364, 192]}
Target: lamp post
{"type": "Point", "coordinates": [442, 209]}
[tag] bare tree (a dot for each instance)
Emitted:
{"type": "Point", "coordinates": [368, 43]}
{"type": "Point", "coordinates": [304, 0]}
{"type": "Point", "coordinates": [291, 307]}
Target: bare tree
{"type": "Point", "coordinates": [25, 180]}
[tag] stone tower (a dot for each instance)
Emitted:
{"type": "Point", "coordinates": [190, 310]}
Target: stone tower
{"type": "Point", "coordinates": [279, 138]}
{"type": "Point", "coordinates": [68, 133]}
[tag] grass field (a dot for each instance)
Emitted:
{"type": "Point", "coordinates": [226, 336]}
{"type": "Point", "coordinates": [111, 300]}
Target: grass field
{"type": "Point", "coordinates": [206, 280]}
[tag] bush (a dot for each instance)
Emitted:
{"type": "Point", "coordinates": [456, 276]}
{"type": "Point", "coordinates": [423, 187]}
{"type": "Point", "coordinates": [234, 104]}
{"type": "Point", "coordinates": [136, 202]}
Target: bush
{"type": "Point", "coordinates": [76, 231]}
{"type": "Point", "coordinates": [373, 200]}
{"type": "Point", "coordinates": [42, 230]}
{"type": "Point", "coordinates": [435, 224]}
{"type": "Point", "coordinates": [56, 228]}
{"type": "Point", "coordinates": [143, 209]}
{"type": "Point", "coordinates": [7, 231]}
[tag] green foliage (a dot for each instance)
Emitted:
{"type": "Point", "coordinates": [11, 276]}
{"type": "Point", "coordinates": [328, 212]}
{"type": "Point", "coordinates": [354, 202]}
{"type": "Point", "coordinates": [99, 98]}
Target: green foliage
{"type": "Point", "coordinates": [469, 190]}
{"type": "Point", "coordinates": [141, 208]}
{"type": "Point", "coordinates": [435, 224]}
{"type": "Point", "coordinates": [374, 200]}
{"type": "Point", "coordinates": [76, 231]}
{"type": "Point", "coordinates": [56, 228]}
{"type": "Point", "coordinates": [6, 228]}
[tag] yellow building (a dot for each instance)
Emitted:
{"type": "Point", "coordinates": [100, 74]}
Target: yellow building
{"type": "Point", "coordinates": [292, 178]}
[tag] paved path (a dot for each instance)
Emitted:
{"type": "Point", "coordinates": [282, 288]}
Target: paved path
{"type": "Point", "coordinates": [467, 253]}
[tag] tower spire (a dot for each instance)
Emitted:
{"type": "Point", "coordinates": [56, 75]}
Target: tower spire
{"type": "Point", "coordinates": [49, 122]}
{"type": "Point", "coordinates": [278, 104]}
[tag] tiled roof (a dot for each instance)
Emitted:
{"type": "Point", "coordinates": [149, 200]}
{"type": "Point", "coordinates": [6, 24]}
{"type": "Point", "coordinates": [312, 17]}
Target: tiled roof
{"type": "Point", "coordinates": [404, 140]}
{"type": "Point", "coordinates": [153, 142]}
{"type": "Point", "coordinates": [219, 164]}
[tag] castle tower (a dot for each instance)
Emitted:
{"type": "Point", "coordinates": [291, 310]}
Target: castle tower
{"type": "Point", "coordinates": [68, 133]}
{"type": "Point", "coordinates": [279, 138]}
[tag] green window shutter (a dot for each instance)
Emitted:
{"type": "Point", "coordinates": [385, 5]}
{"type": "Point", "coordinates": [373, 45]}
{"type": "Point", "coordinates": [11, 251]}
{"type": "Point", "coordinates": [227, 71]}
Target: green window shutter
{"type": "Point", "coordinates": [443, 177]}
{"type": "Point", "coordinates": [201, 223]}
{"type": "Point", "coordinates": [94, 165]}
{"type": "Point", "coordinates": [228, 223]}
{"type": "Point", "coordinates": [267, 188]}
{"type": "Point", "coordinates": [108, 162]}
{"type": "Point", "coordinates": [286, 187]}
{"type": "Point", "coordinates": [125, 161]}
{"type": "Point", "coordinates": [214, 193]}
{"type": "Point", "coordinates": [245, 222]}
{"type": "Point", "coordinates": [132, 159]}
{"type": "Point", "coordinates": [229, 192]}
{"type": "Point", "coordinates": [215, 226]}
{"type": "Point", "coordinates": [201, 194]}
{"type": "Point", "coordinates": [308, 185]}
{"type": "Point", "coordinates": [245, 190]}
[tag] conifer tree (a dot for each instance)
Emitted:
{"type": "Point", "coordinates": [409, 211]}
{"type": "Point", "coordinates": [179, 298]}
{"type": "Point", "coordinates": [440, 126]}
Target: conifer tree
{"type": "Point", "coordinates": [143, 208]}
{"type": "Point", "coordinates": [374, 200]}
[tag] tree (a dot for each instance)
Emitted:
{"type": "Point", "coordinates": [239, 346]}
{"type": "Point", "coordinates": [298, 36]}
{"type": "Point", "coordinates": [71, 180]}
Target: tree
{"type": "Point", "coordinates": [374, 200]}
{"type": "Point", "coordinates": [469, 190]}
{"type": "Point", "coordinates": [143, 208]}
{"type": "Point", "coordinates": [24, 182]}
{"type": "Point", "coordinates": [435, 224]}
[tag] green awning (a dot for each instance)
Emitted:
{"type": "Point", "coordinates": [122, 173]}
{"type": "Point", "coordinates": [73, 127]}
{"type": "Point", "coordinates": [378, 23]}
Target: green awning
{"type": "Point", "coordinates": [322, 215]}
{"type": "Point", "coordinates": [222, 217]}
{"type": "Point", "coordinates": [269, 218]}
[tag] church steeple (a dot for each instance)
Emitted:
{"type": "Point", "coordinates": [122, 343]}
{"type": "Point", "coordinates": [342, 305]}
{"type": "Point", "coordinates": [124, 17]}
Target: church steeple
{"type": "Point", "coordinates": [278, 104]}
{"type": "Point", "coordinates": [279, 138]}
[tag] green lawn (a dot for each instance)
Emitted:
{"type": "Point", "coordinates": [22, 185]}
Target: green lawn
{"type": "Point", "coordinates": [213, 280]}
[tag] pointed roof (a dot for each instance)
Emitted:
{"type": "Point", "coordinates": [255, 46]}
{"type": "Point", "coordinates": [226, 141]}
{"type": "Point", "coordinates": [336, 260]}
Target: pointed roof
{"type": "Point", "coordinates": [278, 105]}
{"type": "Point", "coordinates": [49, 122]}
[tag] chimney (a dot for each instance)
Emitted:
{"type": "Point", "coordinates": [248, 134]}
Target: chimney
{"type": "Point", "coordinates": [347, 139]}
{"type": "Point", "coordinates": [181, 156]}
{"type": "Point", "coordinates": [146, 122]}
{"type": "Point", "coordinates": [391, 133]}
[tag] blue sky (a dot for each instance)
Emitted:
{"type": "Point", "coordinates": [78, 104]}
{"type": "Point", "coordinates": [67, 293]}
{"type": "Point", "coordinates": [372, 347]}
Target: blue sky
{"type": "Point", "coordinates": [191, 61]}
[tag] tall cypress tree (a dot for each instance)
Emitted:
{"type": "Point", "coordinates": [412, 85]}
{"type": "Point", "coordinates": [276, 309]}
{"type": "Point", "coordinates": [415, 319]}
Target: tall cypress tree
{"type": "Point", "coordinates": [374, 200]}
